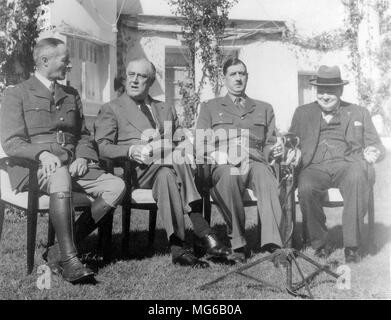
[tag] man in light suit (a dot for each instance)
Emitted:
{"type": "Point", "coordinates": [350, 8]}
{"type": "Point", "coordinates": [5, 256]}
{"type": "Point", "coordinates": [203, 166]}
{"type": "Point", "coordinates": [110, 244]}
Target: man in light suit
{"type": "Point", "coordinates": [229, 118]}
{"type": "Point", "coordinates": [129, 127]}
{"type": "Point", "coordinates": [43, 120]}
{"type": "Point", "coordinates": [339, 144]}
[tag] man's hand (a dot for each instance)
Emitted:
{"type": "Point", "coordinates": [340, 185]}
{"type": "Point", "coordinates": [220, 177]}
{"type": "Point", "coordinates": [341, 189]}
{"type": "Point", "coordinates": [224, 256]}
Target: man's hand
{"type": "Point", "coordinates": [49, 163]}
{"type": "Point", "coordinates": [78, 168]}
{"type": "Point", "coordinates": [371, 154]}
{"type": "Point", "coordinates": [219, 157]}
{"type": "Point", "coordinates": [277, 150]}
{"type": "Point", "coordinates": [140, 153]}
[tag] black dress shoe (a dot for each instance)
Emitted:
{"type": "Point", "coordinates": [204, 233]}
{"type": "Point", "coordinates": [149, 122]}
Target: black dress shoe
{"type": "Point", "coordinates": [75, 272]}
{"type": "Point", "coordinates": [270, 247]}
{"type": "Point", "coordinates": [323, 252]}
{"type": "Point", "coordinates": [213, 246]}
{"type": "Point", "coordinates": [186, 258]}
{"type": "Point", "coordinates": [239, 255]}
{"type": "Point", "coordinates": [352, 255]}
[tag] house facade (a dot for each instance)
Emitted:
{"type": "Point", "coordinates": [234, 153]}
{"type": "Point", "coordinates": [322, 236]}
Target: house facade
{"type": "Point", "coordinates": [278, 70]}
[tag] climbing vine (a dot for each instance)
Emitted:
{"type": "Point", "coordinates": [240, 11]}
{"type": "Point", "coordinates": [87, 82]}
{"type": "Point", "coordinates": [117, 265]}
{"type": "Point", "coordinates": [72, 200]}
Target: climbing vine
{"type": "Point", "coordinates": [372, 95]}
{"type": "Point", "coordinates": [203, 25]}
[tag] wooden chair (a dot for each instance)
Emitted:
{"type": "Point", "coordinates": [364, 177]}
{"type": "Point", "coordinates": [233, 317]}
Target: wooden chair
{"type": "Point", "coordinates": [135, 199]}
{"type": "Point", "coordinates": [32, 202]}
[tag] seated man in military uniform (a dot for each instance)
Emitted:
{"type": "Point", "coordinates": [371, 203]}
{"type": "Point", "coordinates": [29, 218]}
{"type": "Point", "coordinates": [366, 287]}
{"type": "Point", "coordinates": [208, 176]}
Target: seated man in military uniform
{"type": "Point", "coordinates": [43, 120]}
{"type": "Point", "coordinates": [236, 165]}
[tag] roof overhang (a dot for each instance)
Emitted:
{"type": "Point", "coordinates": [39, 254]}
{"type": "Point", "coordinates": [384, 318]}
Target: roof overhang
{"type": "Point", "coordinates": [235, 28]}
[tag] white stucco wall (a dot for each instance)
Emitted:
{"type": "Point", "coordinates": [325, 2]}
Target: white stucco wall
{"type": "Point", "coordinates": [91, 20]}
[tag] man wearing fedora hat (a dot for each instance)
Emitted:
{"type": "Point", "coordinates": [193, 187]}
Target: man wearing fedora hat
{"type": "Point", "coordinates": [339, 144]}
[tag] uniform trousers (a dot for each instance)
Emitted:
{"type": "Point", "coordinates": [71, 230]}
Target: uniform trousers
{"type": "Point", "coordinates": [107, 186]}
{"type": "Point", "coordinates": [228, 190]}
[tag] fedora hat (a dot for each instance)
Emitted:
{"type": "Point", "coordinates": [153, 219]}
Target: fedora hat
{"type": "Point", "coordinates": [328, 76]}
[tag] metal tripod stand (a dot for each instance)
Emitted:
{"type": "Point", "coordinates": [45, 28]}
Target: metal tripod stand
{"type": "Point", "coordinates": [287, 255]}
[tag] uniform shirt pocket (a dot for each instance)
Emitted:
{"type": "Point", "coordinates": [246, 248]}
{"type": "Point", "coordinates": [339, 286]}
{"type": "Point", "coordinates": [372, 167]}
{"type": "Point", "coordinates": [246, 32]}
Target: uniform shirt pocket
{"type": "Point", "coordinates": [258, 129]}
{"type": "Point", "coordinates": [221, 120]}
{"type": "Point", "coordinates": [37, 116]}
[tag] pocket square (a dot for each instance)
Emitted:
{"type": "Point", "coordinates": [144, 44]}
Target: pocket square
{"type": "Point", "coordinates": [357, 124]}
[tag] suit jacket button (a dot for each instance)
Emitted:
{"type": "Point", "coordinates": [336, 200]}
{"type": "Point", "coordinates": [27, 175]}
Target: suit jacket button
{"type": "Point", "coordinates": [61, 119]}
{"type": "Point", "coordinates": [58, 107]}
{"type": "Point", "coordinates": [242, 117]}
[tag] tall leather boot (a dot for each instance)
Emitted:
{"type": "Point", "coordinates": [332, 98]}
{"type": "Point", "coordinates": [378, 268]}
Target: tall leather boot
{"type": "Point", "coordinates": [89, 221]}
{"type": "Point", "coordinates": [61, 215]}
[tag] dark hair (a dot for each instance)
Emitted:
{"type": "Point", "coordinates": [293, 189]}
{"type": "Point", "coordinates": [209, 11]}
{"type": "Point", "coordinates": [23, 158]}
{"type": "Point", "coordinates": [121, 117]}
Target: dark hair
{"type": "Point", "coordinates": [232, 61]}
{"type": "Point", "coordinates": [44, 44]}
{"type": "Point", "coordinates": [118, 83]}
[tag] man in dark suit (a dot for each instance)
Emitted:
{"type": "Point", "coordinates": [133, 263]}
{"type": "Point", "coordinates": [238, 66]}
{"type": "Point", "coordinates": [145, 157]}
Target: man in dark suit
{"type": "Point", "coordinates": [244, 141]}
{"type": "Point", "coordinates": [130, 127]}
{"type": "Point", "coordinates": [43, 120]}
{"type": "Point", "coordinates": [339, 144]}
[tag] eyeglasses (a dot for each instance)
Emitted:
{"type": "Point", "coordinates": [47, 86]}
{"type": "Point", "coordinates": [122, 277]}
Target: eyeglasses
{"type": "Point", "coordinates": [134, 75]}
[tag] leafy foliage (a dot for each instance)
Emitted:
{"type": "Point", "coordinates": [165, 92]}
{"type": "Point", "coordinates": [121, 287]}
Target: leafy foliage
{"type": "Point", "coordinates": [203, 25]}
{"type": "Point", "coordinates": [18, 20]}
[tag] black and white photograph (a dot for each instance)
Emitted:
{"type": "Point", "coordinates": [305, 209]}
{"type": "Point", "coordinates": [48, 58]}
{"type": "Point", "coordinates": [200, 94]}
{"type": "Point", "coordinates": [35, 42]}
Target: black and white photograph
{"type": "Point", "coordinates": [195, 156]}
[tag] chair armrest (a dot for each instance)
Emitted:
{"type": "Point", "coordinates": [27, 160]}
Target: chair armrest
{"type": "Point", "coordinates": [17, 161]}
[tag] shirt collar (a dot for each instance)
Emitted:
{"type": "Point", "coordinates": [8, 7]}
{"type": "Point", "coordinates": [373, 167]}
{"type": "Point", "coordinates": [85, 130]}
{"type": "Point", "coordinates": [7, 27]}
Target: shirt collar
{"type": "Point", "coordinates": [45, 81]}
{"type": "Point", "coordinates": [233, 98]}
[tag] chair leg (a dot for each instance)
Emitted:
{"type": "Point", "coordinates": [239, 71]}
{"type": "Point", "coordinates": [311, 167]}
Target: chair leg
{"type": "Point", "coordinates": [105, 231]}
{"type": "Point", "coordinates": [51, 234]}
{"type": "Point", "coordinates": [371, 223]}
{"type": "Point", "coordinates": [126, 212]}
{"type": "Point", "coordinates": [32, 216]}
{"type": "Point", "coordinates": [152, 227]}
{"type": "Point", "coordinates": [2, 209]}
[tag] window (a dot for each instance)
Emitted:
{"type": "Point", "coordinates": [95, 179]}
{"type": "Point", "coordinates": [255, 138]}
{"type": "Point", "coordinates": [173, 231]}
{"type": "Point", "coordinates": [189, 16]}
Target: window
{"type": "Point", "coordinates": [307, 92]}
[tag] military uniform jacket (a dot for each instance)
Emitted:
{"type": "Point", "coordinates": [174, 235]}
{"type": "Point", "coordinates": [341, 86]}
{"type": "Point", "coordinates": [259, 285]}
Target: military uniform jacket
{"type": "Point", "coordinates": [356, 124]}
{"type": "Point", "coordinates": [222, 114]}
{"type": "Point", "coordinates": [30, 116]}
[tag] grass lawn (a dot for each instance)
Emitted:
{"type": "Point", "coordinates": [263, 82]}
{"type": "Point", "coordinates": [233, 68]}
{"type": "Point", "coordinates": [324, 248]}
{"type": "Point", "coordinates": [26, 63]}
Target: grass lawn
{"type": "Point", "coordinates": [155, 277]}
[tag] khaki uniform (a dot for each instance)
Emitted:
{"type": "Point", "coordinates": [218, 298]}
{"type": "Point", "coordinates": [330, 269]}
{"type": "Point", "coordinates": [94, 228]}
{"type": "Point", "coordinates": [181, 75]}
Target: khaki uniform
{"type": "Point", "coordinates": [258, 118]}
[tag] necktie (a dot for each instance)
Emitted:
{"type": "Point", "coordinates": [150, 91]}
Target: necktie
{"type": "Point", "coordinates": [239, 103]}
{"type": "Point", "coordinates": [144, 109]}
{"type": "Point", "coordinates": [52, 88]}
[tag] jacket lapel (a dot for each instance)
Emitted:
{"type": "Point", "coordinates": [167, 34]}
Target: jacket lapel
{"type": "Point", "coordinates": [156, 112]}
{"type": "Point", "coordinates": [345, 116]}
{"type": "Point", "coordinates": [314, 121]}
{"type": "Point", "coordinates": [59, 93]}
{"type": "Point", "coordinates": [132, 113]}
{"type": "Point", "coordinates": [249, 105]}
{"type": "Point", "coordinates": [230, 107]}
{"type": "Point", "coordinates": [39, 89]}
